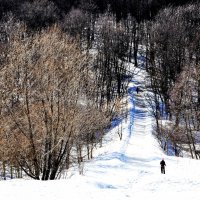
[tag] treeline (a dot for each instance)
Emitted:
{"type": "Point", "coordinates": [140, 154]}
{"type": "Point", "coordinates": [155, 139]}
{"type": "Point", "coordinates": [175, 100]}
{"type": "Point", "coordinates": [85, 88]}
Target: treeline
{"type": "Point", "coordinates": [56, 100]}
{"type": "Point", "coordinates": [49, 11]}
{"type": "Point", "coordinates": [173, 63]}
{"type": "Point", "coordinates": [61, 85]}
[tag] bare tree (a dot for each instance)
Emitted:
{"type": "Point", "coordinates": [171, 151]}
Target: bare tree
{"type": "Point", "coordinates": [172, 63]}
{"type": "Point", "coordinates": [39, 13]}
{"type": "Point", "coordinates": [110, 66]}
{"type": "Point", "coordinates": [43, 86]}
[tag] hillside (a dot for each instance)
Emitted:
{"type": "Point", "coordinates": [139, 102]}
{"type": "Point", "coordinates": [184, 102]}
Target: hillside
{"type": "Point", "coordinates": [126, 169]}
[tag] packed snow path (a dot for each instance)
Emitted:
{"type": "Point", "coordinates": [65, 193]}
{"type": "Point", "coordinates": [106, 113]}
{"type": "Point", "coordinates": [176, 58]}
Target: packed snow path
{"type": "Point", "coordinates": [121, 169]}
{"type": "Point", "coordinates": [133, 163]}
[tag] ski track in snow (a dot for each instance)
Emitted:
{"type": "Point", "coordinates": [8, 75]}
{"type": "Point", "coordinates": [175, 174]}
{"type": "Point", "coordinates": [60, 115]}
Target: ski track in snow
{"type": "Point", "coordinates": [120, 170]}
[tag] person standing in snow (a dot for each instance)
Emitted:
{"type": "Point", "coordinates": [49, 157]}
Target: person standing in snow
{"type": "Point", "coordinates": [137, 90]}
{"type": "Point", "coordinates": [162, 164]}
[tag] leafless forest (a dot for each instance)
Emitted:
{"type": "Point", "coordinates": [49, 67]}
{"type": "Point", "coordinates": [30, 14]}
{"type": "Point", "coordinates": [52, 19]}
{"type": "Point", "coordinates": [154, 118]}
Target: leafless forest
{"type": "Point", "coordinates": [64, 75]}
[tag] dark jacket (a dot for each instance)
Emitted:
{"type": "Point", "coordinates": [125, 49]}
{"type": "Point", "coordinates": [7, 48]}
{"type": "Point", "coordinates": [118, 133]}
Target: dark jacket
{"type": "Point", "coordinates": [162, 163]}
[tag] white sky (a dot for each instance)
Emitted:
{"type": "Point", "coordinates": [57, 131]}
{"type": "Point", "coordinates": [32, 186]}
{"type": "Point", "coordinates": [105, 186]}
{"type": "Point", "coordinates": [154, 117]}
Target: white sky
{"type": "Point", "coordinates": [120, 170]}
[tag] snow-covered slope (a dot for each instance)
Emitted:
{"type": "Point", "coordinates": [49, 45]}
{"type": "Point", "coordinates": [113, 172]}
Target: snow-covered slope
{"type": "Point", "coordinates": [121, 169]}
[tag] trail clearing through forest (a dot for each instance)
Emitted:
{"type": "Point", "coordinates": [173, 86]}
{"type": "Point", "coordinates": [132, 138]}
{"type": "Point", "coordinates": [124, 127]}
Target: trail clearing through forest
{"type": "Point", "coordinates": [121, 169]}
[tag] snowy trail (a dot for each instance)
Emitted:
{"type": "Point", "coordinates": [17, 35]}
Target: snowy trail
{"type": "Point", "coordinates": [182, 175]}
{"type": "Point", "coordinates": [136, 162]}
{"type": "Point", "coordinates": [120, 170]}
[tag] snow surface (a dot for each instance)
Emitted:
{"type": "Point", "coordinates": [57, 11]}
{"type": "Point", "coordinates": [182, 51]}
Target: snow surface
{"type": "Point", "coordinates": [121, 169]}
